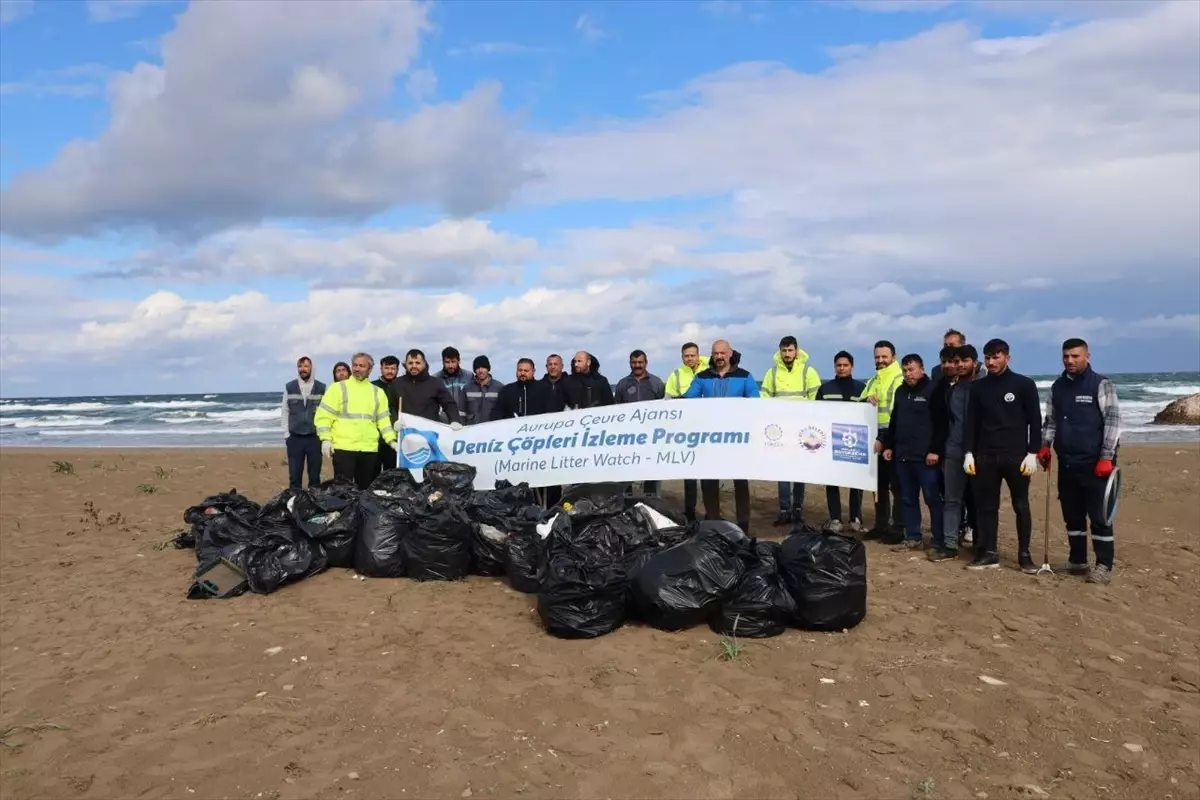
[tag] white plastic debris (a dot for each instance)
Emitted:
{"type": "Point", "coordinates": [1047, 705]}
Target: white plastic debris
{"type": "Point", "coordinates": [828, 680]}
{"type": "Point", "coordinates": [1133, 747]}
{"type": "Point", "coordinates": [990, 681]}
{"type": "Point", "coordinates": [656, 519]}
{"type": "Point", "coordinates": [544, 529]}
{"type": "Point", "coordinates": [273, 651]}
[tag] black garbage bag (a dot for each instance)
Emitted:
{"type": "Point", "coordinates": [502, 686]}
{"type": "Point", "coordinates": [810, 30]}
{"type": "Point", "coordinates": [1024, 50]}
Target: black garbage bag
{"type": "Point", "coordinates": [489, 545]}
{"type": "Point", "coordinates": [329, 514]}
{"type": "Point", "coordinates": [682, 585]}
{"type": "Point", "coordinates": [659, 506]}
{"type": "Point", "coordinates": [761, 605]}
{"type": "Point", "coordinates": [827, 576]}
{"type": "Point", "coordinates": [381, 527]}
{"type": "Point", "coordinates": [451, 477]}
{"type": "Point", "coordinates": [437, 544]}
{"type": "Point", "coordinates": [582, 600]}
{"type": "Point", "coordinates": [267, 548]}
{"type": "Point", "coordinates": [527, 553]}
{"type": "Point", "coordinates": [393, 482]}
{"type": "Point", "coordinates": [200, 514]}
{"type": "Point", "coordinates": [504, 507]}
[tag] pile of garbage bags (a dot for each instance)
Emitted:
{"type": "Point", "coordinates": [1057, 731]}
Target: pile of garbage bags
{"type": "Point", "coordinates": [597, 560]}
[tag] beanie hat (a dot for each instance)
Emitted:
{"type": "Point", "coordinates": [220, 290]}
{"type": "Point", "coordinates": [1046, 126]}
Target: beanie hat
{"type": "Point", "coordinates": [481, 361]}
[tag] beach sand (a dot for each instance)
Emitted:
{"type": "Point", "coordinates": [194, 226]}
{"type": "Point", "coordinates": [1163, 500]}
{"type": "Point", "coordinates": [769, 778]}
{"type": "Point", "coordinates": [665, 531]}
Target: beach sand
{"type": "Point", "coordinates": [113, 685]}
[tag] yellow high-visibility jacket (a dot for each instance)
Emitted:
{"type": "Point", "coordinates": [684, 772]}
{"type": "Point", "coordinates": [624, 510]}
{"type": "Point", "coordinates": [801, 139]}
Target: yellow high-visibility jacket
{"type": "Point", "coordinates": [679, 380]}
{"type": "Point", "coordinates": [353, 415]}
{"type": "Point", "coordinates": [883, 388]}
{"type": "Point", "coordinates": [798, 383]}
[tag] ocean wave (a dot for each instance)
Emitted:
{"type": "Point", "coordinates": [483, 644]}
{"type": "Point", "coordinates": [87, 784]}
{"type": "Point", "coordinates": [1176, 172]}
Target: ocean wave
{"type": "Point", "coordinates": [174, 404]}
{"type": "Point", "coordinates": [55, 407]}
{"type": "Point", "coordinates": [210, 396]}
{"type": "Point", "coordinates": [244, 415]}
{"type": "Point", "coordinates": [67, 421]}
{"type": "Point", "coordinates": [1180, 391]}
{"type": "Point", "coordinates": [1044, 384]}
{"type": "Point", "coordinates": [154, 433]}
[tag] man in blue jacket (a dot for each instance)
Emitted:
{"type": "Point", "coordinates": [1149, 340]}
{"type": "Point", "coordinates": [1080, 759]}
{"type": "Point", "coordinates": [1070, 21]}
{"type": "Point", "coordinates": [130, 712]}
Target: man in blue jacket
{"type": "Point", "coordinates": [724, 378]}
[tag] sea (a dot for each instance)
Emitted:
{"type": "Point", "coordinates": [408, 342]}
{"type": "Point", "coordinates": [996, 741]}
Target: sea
{"type": "Point", "coordinates": [254, 419]}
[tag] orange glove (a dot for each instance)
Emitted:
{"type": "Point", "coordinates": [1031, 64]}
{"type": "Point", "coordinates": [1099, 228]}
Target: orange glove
{"type": "Point", "coordinates": [1104, 468]}
{"type": "Point", "coordinates": [1044, 456]}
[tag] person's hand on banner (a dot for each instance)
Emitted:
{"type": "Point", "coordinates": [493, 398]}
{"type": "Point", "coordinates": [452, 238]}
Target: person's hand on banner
{"type": "Point", "coordinates": [1044, 457]}
{"type": "Point", "coordinates": [1104, 468]}
{"type": "Point", "coordinates": [873, 400]}
{"type": "Point", "coordinates": [887, 455]}
{"type": "Point", "coordinates": [969, 463]}
{"type": "Point", "coordinates": [327, 449]}
{"type": "Point", "coordinates": [878, 446]}
{"type": "Point", "coordinates": [1029, 464]}
{"type": "Point", "coordinates": [393, 443]}
{"type": "Point", "coordinates": [456, 426]}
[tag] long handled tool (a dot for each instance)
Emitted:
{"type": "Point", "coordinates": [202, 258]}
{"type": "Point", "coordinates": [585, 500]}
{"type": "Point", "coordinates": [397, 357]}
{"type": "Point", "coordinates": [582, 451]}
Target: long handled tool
{"type": "Point", "coordinates": [1045, 568]}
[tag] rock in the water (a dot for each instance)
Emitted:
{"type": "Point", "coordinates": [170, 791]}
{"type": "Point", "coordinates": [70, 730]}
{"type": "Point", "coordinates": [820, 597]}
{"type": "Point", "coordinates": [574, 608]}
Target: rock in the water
{"type": "Point", "coordinates": [1184, 411]}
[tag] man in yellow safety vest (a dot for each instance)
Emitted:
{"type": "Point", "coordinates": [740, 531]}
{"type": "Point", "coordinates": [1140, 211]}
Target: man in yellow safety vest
{"type": "Point", "coordinates": [352, 417]}
{"type": "Point", "coordinates": [791, 377]}
{"type": "Point", "coordinates": [881, 393]}
{"type": "Point", "coordinates": [677, 384]}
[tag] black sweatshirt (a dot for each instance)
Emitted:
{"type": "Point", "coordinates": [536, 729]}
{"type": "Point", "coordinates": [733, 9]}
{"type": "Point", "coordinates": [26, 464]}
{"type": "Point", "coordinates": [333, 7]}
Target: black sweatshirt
{"type": "Point", "coordinates": [909, 434]}
{"type": "Point", "coordinates": [1003, 416]}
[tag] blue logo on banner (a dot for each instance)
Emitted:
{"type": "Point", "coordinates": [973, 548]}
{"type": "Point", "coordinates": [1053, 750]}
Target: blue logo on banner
{"type": "Point", "coordinates": [418, 448]}
{"type": "Point", "coordinates": [850, 443]}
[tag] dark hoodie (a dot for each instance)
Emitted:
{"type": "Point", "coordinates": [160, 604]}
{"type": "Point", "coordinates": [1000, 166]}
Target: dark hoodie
{"type": "Point", "coordinates": [588, 389]}
{"type": "Point", "coordinates": [524, 399]}
{"type": "Point", "coordinates": [423, 395]}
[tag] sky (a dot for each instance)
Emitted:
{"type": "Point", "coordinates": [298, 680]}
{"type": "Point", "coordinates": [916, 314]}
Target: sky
{"type": "Point", "coordinates": [194, 195]}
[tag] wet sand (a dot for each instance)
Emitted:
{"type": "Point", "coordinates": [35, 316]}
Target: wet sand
{"type": "Point", "coordinates": [113, 685]}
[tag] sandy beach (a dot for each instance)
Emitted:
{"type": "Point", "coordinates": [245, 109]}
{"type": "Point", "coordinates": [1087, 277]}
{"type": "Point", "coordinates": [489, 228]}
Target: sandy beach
{"type": "Point", "coordinates": [112, 684]}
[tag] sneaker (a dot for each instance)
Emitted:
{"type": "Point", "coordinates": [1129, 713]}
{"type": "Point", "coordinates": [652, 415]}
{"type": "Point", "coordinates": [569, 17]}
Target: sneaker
{"type": "Point", "coordinates": [856, 526]}
{"type": "Point", "coordinates": [783, 520]}
{"type": "Point", "coordinates": [893, 538]}
{"type": "Point", "coordinates": [1071, 568]}
{"type": "Point", "coordinates": [984, 561]}
{"type": "Point", "coordinates": [1025, 562]}
{"type": "Point", "coordinates": [1100, 574]}
{"type": "Point", "coordinates": [833, 526]}
{"type": "Point", "coordinates": [967, 536]}
{"type": "Point", "coordinates": [874, 534]}
{"type": "Point", "coordinates": [907, 545]}
{"type": "Point", "coordinates": [943, 554]}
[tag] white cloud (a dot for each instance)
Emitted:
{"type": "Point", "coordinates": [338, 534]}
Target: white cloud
{"type": "Point", "coordinates": [447, 253]}
{"type": "Point", "coordinates": [495, 49]}
{"type": "Point", "coordinates": [13, 10]}
{"type": "Point", "coordinates": [283, 123]}
{"type": "Point", "coordinates": [113, 10]}
{"type": "Point", "coordinates": [421, 84]}
{"type": "Point", "coordinates": [589, 28]}
{"type": "Point", "coordinates": [944, 155]}
{"type": "Point", "coordinates": [79, 80]}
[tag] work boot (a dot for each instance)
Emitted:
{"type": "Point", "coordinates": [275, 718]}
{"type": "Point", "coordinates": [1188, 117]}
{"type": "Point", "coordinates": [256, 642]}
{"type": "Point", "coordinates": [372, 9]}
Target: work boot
{"type": "Point", "coordinates": [984, 561]}
{"type": "Point", "coordinates": [1100, 574]}
{"type": "Point", "coordinates": [907, 545]}
{"type": "Point", "coordinates": [783, 520]}
{"type": "Point", "coordinates": [1025, 562]}
{"type": "Point", "coordinates": [943, 554]}
{"type": "Point", "coordinates": [893, 538]}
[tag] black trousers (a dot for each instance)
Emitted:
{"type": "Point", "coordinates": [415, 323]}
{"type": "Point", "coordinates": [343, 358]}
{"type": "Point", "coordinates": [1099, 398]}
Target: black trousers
{"type": "Point", "coordinates": [553, 495]}
{"type": "Point", "coordinates": [887, 507]}
{"type": "Point", "coordinates": [689, 499]}
{"type": "Point", "coordinates": [357, 468]}
{"type": "Point", "coordinates": [990, 472]}
{"type": "Point", "coordinates": [303, 450]}
{"type": "Point", "coordinates": [387, 457]}
{"type": "Point", "coordinates": [711, 490]}
{"type": "Point", "coordinates": [1081, 496]}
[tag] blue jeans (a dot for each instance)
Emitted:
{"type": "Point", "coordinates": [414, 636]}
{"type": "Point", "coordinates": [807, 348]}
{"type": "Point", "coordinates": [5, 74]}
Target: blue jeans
{"type": "Point", "coordinates": [917, 478]}
{"type": "Point", "coordinates": [791, 498]}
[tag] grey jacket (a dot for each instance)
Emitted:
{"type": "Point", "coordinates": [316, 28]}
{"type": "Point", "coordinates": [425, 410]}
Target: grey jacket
{"type": "Point", "coordinates": [480, 401]}
{"type": "Point", "coordinates": [631, 390]}
{"type": "Point", "coordinates": [457, 386]}
{"type": "Point", "coordinates": [957, 399]}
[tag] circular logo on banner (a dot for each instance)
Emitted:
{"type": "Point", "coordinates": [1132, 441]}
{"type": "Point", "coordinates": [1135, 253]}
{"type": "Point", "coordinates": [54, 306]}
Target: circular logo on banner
{"type": "Point", "coordinates": [1009, 397]}
{"type": "Point", "coordinates": [415, 449]}
{"type": "Point", "coordinates": [849, 440]}
{"type": "Point", "coordinates": [773, 432]}
{"type": "Point", "coordinates": [812, 438]}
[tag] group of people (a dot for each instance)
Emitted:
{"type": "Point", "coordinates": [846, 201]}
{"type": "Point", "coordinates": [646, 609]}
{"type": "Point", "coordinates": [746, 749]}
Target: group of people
{"type": "Point", "coordinates": [951, 437]}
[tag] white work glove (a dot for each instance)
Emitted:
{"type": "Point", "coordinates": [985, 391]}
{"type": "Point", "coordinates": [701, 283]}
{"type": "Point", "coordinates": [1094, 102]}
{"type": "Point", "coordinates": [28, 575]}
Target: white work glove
{"type": "Point", "coordinates": [969, 463]}
{"type": "Point", "coordinates": [456, 426]}
{"type": "Point", "coordinates": [327, 448]}
{"type": "Point", "coordinates": [392, 444]}
{"type": "Point", "coordinates": [1029, 464]}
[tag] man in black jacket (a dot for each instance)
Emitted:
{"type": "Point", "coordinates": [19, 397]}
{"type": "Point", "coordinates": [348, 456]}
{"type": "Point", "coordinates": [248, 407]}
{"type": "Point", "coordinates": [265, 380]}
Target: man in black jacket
{"type": "Point", "coordinates": [908, 444]}
{"type": "Point", "coordinates": [843, 388]}
{"type": "Point", "coordinates": [422, 394]}
{"type": "Point", "coordinates": [527, 397]}
{"type": "Point", "coordinates": [586, 387]}
{"type": "Point", "coordinates": [389, 368]}
{"type": "Point", "coordinates": [1002, 437]}
{"type": "Point", "coordinates": [556, 381]}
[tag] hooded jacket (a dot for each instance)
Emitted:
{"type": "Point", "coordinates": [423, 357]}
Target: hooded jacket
{"type": "Point", "coordinates": [588, 389]}
{"type": "Point", "coordinates": [457, 384]}
{"type": "Point", "coordinates": [524, 399]}
{"type": "Point", "coordinates": [910, 431]}
{"type": "Point", "coordinates": [800, 382]}
{"type": "Point", "coordinates": [423, 395]}
{"type": "Point", "coordinates": [679, 380]}
{"type": "Point", "coordinates": [883, 388]}
{"type": "Point", "coordinates": [737, 382]}
{"type": "Point", "coordinates": [480, 400]}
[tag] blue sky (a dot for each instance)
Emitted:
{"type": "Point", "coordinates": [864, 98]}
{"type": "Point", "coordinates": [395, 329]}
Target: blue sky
{"type": "Point", "coordinates": [193, 195]}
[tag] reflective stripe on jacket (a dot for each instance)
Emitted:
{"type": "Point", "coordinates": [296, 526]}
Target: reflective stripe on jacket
{"type": "Point", "coordinates": [883, 388]}
{"type": "Point", "coordinates": [353, 415]}
{"type": "Point", "coordinates": [679, 380]}
{"type": "Point", "coordinates": [801, 382]}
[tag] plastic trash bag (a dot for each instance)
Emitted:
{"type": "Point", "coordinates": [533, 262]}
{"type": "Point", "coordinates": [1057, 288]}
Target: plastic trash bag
{"type": "Point", "coordinates": [760, 605]}
{"type": "Point", "coordinates": [489, 545]}
{"type": "Point", "coordinates": [451, 477]}
{"type": "Point", "coordinates": [437, 544]}
{"type": "Point", "coordinates": [583, 595]}
{"type": "Point", "coordinates": [683, 585]}
{"type": "Point", "coordinates": [527, 553]}
{"type": "Point", "coordinates": [827, 576]}
{"type": "Point", "coordinates": [658, 512]}
{"type": "Point", "coordinates": [394, 483]}
{"type": "Point", "coordinates": [200, 514]}
{"type": "Point", "coordinates": [497, 514]}
{"type": "Point", "coordinates": [381, 527]}
{"type": "Point", "coordinates": [329, 514]}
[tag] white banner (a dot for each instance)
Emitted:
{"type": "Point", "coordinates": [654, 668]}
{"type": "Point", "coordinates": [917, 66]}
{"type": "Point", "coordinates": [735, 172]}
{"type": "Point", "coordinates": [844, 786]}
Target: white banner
{"type": "Point", "coordinates": [826, 443]}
